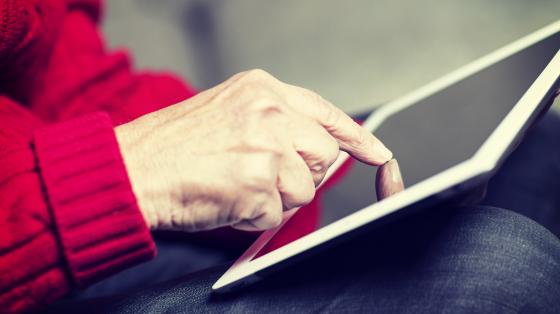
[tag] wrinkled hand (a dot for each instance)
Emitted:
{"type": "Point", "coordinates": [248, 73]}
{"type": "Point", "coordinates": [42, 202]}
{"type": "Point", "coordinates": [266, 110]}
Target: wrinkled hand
{"type": "Point", "coordinates": [238, 154]}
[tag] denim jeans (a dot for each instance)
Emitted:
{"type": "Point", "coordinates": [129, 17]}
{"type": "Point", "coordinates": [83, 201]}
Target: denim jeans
{"type": "Point", "coordinates": [446, 259]}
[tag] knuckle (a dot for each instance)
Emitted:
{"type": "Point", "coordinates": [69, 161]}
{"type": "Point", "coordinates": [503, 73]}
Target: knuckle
{"type": "Point", "coordinates": [259, 73]}
{"type": "Point", "coordinates": [275, 221]}
{"type": "Point", "coordinates": [302, 196]}
{"type": "Point", "coordinates": [256, 75]}
{"type": "Point", "coordinates": [263, 213]}
{"type": "Point", "coordinates": [273, 217]}
{"type": "Point", "coordinates": [359, 139]}
{"type": "Point", "coordinates": [245, 87]}
{"type": "Point", "coordinates": [246, 214]}
{"type": "Point", "coordinates": [245, 90]}
{"type": "Point", "coordinates": [322, 164]}
{"type": "Point", "coordinates": [330, 116]}
{"type": "Point", "coordinates": [309, 192]}
{"type": "Point", "coordinates": [332, 151]}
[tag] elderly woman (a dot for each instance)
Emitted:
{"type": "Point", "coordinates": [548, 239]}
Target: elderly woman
{"type": "Point", "coordinates": [94, 155]}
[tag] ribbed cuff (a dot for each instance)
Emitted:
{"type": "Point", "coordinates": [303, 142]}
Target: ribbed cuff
{"type": "Point", "coordinates": [100, 226]}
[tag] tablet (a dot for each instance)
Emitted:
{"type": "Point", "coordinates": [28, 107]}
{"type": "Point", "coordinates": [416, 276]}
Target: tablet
{"type": "Point", "coordinates": [448, 137]}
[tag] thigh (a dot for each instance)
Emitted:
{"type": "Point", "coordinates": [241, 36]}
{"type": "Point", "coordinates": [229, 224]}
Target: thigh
{"type": "Point", "coordinates": [443, 260]}
{"type": "Point", "coordinates": [528, 181]}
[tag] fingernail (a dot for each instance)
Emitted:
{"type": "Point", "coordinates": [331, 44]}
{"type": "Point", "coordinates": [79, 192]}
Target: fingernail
{"type": "Point", "coordinates": [382, 151]}
{"type": "Point", "coordinates": [396, 176]}
{"type": "Point", "coordinates": [388, 180]}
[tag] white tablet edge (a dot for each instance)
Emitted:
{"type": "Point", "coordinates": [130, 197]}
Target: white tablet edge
{"type": "Point", "coordinates": [484, 160]}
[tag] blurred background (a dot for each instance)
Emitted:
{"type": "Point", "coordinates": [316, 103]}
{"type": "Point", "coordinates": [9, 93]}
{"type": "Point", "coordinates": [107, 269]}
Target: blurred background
{"type": "Point", "coordinates": [355, 53]}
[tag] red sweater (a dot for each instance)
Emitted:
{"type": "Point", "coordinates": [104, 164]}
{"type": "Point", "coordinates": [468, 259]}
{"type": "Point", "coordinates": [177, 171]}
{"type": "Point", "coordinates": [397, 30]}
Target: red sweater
{"type": "Point", "coordinates": [68, 216]}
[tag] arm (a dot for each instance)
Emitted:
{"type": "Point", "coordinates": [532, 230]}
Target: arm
{"type": "Point", "coordinates": [67, 214]}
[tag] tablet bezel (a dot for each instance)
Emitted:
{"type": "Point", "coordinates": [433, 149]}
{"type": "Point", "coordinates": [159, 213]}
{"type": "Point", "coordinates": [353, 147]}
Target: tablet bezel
{"type": "Point", "coordinates": [486, 159]}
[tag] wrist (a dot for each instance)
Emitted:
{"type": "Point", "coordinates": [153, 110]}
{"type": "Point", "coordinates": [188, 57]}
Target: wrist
{"type": "Point", "coordinates": [127, 140]}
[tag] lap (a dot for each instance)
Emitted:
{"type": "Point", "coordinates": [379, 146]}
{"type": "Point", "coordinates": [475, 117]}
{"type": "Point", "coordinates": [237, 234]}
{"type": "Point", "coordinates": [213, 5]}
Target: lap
{"type": "Point", "coordinates": [466, 259]}
{"type": "Point", "coordinates": [528, 181]}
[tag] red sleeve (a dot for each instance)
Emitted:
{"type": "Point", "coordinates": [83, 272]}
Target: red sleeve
{"type": "Point", "coordinates": [67, 213]}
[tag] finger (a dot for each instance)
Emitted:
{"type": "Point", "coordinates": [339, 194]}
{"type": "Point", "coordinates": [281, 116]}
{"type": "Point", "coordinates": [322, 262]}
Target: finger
{"type": "Point", "coordinates": [318, 149]}
{"type": "Point", "coordinates": [257, 197]}
{"type": "Point", "coordinates": [351, 137]}
{"type": "Point", "coordinates": [388, 180]}
{"type": "Point", "coordinates": [295, 181]}
{"type": "Point", "coordinates": [267, 214]}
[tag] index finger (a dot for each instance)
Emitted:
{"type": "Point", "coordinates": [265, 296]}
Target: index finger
{"type": "Point", "coordinates": [351, 137]}
{"type": "Point", "coordinates": [388, 180]}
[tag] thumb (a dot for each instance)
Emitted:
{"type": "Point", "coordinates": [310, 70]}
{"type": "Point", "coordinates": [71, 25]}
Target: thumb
{"type": "Point", "coordinates": [388, 180]}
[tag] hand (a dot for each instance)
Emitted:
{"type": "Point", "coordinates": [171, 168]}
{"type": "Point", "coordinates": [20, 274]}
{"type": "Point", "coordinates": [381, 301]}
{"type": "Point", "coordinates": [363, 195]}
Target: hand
{"type": "Point", "coordinates": [238, 154]}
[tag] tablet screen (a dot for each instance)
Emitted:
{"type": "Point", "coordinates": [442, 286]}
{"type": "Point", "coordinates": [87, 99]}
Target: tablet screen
{"type": "Point", "coordinates": [439, 131]}
{"type": "Point", "coordinates": [444, 129]}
